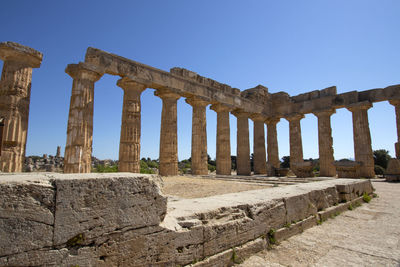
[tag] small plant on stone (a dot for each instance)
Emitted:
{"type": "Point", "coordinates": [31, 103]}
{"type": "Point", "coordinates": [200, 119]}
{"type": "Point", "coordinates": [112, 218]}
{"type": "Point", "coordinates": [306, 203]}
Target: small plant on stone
{"type": "Point", "coordinates": [366, 198]}
{"type": "Point", "coordinates": [375, 195]}
{"type": "Point", "coordinates": [350, 207]}
{"type": "Point", "coordinates": [271, 236]}
{"type": "Point", "coordinates": [235, 258]}
{"type": "Point", "coordinates": [287, 225]}
{"type": "Point", "coordinates": [319, 222]}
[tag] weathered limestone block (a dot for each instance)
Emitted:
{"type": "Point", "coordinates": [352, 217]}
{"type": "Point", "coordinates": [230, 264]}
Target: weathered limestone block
{"type": "Point", "coordinates": [93, 205]}
{"type": "Point", "coordinates": [392, 173]}
{"type": "Point", "coordinates": [26, 213]}
{"type": "Point", "coordinates": [348, 169]}
{"type": "Point", "coordinates": [352, 189]}
{"type": "Point", "coordinates": [15, 93]}
{"type": "Point", "coordinates": [302, 169]}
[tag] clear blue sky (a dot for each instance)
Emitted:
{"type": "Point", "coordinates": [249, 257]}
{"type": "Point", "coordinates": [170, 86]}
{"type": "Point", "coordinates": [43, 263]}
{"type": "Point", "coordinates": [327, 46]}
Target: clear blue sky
{"type": "Point", "coordinates": [293, 46]}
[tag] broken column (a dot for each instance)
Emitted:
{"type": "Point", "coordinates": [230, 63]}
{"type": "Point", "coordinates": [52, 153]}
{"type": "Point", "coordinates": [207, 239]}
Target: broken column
{"type": "Point", "coordinates": [199, 136]}
{"type": "Point", "coordinates": [78, 149]}
{"type": "Point", "coordinates": [15, 92]}
{"type": "Point", "coordinates": [296, 146]}
{"type": "Point", "coordinates": [392, 172]}
{"type": "Point", "coordinates": [168, 134]}
{"type": "Point", "coordinates": [362, 138]}
{"type": "Point", "coordinates": [272, 142]}
{"type": "Point", "coordinates": [243, 144]}
{"type": "Point", "coordinates": [129, 146]}
{"type": "Point", "coordinates": [260, 163]}
{"type": "Point", "coordinates": [325, 143]}
{"type": "Point", "coordinates": [224, 164]}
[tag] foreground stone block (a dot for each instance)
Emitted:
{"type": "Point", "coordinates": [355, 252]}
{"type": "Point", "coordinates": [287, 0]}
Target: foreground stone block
{"type": "Point", "coordinates": [348, 169]}
{"type": "Point", "coordinates": [95, 204]}
{"type": "Point", "coordinates": [26, 213]}
{"type": "Point", "coordinates": [393, 171]}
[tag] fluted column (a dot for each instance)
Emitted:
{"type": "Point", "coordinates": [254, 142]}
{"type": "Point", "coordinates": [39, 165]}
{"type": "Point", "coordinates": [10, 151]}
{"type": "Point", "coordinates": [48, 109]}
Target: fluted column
{"type": "Point", "coordinates": [78, 149]}
{"type": "Point", "coordinates": [129, 146]}
{"type": "Point", "coordinates": [396, 104]}
{"type": "Point", "coordinates": [260, 162]}
{"type": "Point", "coordinates": [224, 164]}
{"type": "Point", "coordinates": [296, 146]}
{"type": "Point", "coordinates": [15, 93]}
{"type": "Point", "coordinates": [199, 136]}
{"type": "Point", "coordinates": [272, 142]}
{"type": "Point", "coordinates": [243, 144]}
{"type": "Point", "coordinates": [168, 134]}
{"type": "Point", "coordinates": [362, 138]}
{"type": "Point", "coordinates": [325, 143]}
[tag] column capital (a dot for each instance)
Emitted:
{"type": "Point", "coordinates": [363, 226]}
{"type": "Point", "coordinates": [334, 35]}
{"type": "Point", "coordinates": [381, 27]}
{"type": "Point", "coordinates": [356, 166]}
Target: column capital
{"type": "Point", "coordinates": [272, 120]}
{"type": "Point", "coordinates": [220, 107]}
{"type": "Point", "coordinates": [294, 117]}
{"type": "Point", "coordinates": [257, 117]}
{"type": "Point", "coordinates": [196, 101]}
{"type": "Point", "coordinates": [10, 51]}
{"type": "Point", "coordinates": [166, 93]}
{"type": "Point", "coordinates": [83, 70]}
{"type": "Point", "coordinates": [395, 102]}
{"type": "Point", "coordinates": [240, 114]}
{"type": "Point", "coordinates": [324, 112]}
{"type": "Point", "coordinates": [365, 105]}
{"type": "Point", "coordinates": [128, 84]}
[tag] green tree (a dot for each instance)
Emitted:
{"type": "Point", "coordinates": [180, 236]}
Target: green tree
{"type": "Point", "coordinates": [381, 157]}
{"type": "Point", "coordinates": [285, 162]}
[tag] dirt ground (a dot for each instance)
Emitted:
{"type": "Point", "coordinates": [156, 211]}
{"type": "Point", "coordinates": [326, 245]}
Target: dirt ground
{"type": "Point", "coordinates": [190, 187]}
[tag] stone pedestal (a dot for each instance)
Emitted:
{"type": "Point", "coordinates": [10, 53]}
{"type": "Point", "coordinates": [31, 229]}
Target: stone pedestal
{"type": "Point", "coordinates": [129, 146]}
{"type": "Point", "coordinates": [78, 149]}
{"type": "Point", "coordinates": [260, 162]}
{"type": "Point", "coordinates": [296, 146]}
{"type": "Point", "coordinates": [168, 134]}
{"type": "Point", "coordinates": [199, 136]}
{"type": "Point", "coordinates": [243, 143]}
{"type": "Point", "coordinates": [348, 169]}
{"type": "Point", "coordinates": [362, 138]}
{"type": "Point", "coordinates": [325, 143]}
{"type": "Point", "coordinates": [15, 92]}
{"type": "Point", "coordinates": [272, 142]}
{"type": "Point", "coordinates": [392, 173]}
{"type": "Point", "coordinates": [224, 164]}
{"type": "Point", "coordinates": [396, 104]}
{"type": "Point", "coordinates": [302, 169]}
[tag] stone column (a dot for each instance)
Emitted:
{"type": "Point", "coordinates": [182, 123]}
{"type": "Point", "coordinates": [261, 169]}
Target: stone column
{"type": "Point", "coordinates": [199, 136]}
{"type": "Point", "coordinates": [129, 146]}
{"type": "Point", "coordinates": [362, 138]}
{"type": "Point", "coordinates": [396, 104]}
{"type": "Point", "coordinates": [296, 146]}
{"type": "Point", "coordinates": [78, 149]}
{"type": "Point", "coordinates": [15, 93]}
{"type": "Point", "coordinates": [224, 164]}
{"type": "Point", "coordinates": [169, 133]}
{"type": "Point", "coordinates": [243, 144]}
{"type": "Point", "coordinates": [260, 162]}
{"type": "Point", "coordinates": [325, 143]}
{"type": "Point", "coordinates": [272, 142]}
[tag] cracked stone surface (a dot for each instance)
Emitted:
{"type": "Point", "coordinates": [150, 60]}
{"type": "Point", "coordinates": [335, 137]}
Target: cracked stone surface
{"type": "Point", "coordinates": [366, 236]}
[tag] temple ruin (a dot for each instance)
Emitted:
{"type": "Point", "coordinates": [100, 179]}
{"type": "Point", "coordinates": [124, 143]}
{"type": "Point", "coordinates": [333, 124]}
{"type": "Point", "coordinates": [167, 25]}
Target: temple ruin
{"type": "Point", "coordinates": [256, 104]}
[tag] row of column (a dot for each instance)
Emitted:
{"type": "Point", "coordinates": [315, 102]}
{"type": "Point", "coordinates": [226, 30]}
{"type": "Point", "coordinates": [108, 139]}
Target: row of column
{"type": "Point", "coordinates": [80, 127]}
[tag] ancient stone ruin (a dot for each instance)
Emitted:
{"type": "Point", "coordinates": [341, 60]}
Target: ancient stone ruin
{"type": "Point", "coordinates": [122, 219]}
{"type": "Point", "coordinates": [256, 104]}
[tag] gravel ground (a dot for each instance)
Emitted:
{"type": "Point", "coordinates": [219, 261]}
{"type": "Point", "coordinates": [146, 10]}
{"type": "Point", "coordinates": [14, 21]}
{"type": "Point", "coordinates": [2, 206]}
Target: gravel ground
{"type": "Point", "coordinates": [189, 187]}
{"type": "Point", "coordinates": [366, 236]}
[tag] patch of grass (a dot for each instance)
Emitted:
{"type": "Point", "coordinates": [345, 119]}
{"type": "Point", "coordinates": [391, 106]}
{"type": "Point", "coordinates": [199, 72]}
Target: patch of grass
{"type": "Point", "coordinates": [287, 225]}
{"type": "Point", "coordinates": [366, 198]}
{"type": "Point", "coordinates": [271, 236]}
{"type": "Point", "coordinates": [375, 195]}
{"type": "Point", "coordinates": [350, 207]}
{"type": "Point", "coordinates": [319, 222]}
{"type": "Point", "coordinates": [275, 185]}
{"type": "Point", "coordinates": [235, 258]}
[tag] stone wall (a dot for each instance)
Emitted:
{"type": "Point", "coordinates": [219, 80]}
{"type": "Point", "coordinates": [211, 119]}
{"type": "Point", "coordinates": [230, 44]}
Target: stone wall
{"type": "Point", "coordinates": [122, 220]}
